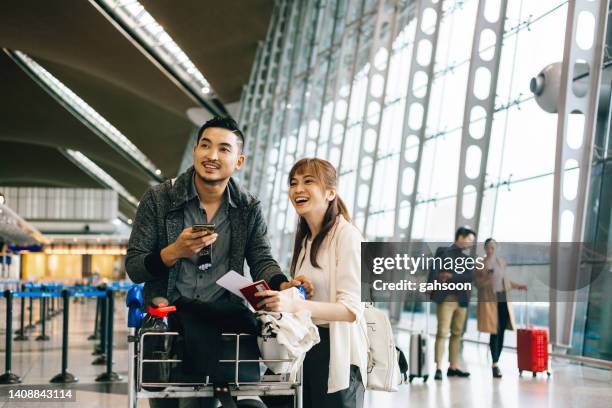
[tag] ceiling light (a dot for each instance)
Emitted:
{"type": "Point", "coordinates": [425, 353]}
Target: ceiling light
{"type": "Point", "coordinates": [133, 19]}
{"type": "Point", "coordinates": [85, 113]}
{"type": "Point", "coordinates": [99, 174]}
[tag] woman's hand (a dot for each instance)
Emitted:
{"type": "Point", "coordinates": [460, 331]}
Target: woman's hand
{"type": "Point", "coordinates": [300, 280]}
{"type": "Point", "coordinates": [274, 301]}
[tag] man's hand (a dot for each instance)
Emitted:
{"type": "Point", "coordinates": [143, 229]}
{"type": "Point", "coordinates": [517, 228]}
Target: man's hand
{"type": "Point", "coordinates": [188, 244]}
{"type": "Point", "coordinates": [300, 280]}
{"type": "Point", "coordinates": [445, 276]}
{"type": "Point", "coordinates": [274, 301]}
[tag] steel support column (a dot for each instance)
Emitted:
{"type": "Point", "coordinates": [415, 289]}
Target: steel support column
{"type": "Point", "coordinates": [256, 161]}
{"type": "Point", "coordinates": [346, 70]}
{"type": "Point", "coordinates": [417, 100]}
{"type": "Point", "coordinates": [573, 158]}
{"type": "Point", "coordinates": [260, 96]}
{"type": "Point", "coordinates": [308, 147]}
{"type": "Point", "coordinates": [290, 128]}
{"type": "Point", "coordinates": [379, 59]}
{"type": "Point", "coordinates": [267, 163]}
{"type": "Point", "coordinates": [291, 150]}
{"type": "Point", "coordinates": [279, 138]}
{"type": "Point", "coordinates": [479, 105]}
{"type": "Point", "coordinates": [251, 96]}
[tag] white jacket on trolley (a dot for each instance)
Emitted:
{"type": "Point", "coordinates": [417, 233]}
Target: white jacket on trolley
{"type": "Point", "coordinates": [286, 336]}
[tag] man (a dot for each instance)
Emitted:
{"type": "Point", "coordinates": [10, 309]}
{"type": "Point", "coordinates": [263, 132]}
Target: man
{"type": "Point", "coordinates": [452, 304]}
{"type": "Point", "coordinates": [163, 247]}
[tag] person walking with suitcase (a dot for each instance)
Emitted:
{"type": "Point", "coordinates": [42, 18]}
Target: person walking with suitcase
{"type": "Point", "coordinates": [452, 304]}
{"type": "Point", "coordinates": [494, 311]}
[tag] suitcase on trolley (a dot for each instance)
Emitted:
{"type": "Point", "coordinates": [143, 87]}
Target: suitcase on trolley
{"type": "Point", "coordinates": [532, 350]}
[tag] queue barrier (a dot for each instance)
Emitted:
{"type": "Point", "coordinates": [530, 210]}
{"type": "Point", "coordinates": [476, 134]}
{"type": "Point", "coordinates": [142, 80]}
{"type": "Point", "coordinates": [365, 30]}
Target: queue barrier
{"type": "Point", "coordinates": [40, 291]}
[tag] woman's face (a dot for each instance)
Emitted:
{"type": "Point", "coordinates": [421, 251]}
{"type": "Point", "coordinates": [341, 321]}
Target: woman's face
{"type": "Point", "coordinates": [307, 195]}
{"type": "Point", "coordinates": [490, 248]}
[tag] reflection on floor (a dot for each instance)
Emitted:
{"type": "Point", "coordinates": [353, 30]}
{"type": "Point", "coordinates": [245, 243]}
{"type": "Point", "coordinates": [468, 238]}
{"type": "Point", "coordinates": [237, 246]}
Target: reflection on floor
{"type": "Point", "coordinates": [36, 362]}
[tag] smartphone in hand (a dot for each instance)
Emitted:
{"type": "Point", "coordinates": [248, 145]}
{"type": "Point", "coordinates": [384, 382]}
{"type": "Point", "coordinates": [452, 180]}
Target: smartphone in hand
{"type": "Point", "coordinates": [209, 228]}
{"type": "Point", "coordinates": [205, 256]}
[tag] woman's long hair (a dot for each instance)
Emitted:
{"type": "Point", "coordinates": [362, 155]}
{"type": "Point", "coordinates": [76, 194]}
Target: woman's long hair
{"type": "Point", "coordinates": [325, 175]}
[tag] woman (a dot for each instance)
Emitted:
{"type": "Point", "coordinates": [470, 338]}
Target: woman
{"type": "Point", "coordinates": [494, 311]}
{"type": "Point", "coordinates": [327, 251]}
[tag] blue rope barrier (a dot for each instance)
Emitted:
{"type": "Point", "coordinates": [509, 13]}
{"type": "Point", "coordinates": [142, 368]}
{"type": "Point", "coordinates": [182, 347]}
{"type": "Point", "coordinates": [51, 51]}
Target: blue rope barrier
{"type": "Point", "coordinates": [97, 293]}
{"type": "Point", "coordinates": [36, 295]}
{"type": "Point", "coordinates": [52, 287]}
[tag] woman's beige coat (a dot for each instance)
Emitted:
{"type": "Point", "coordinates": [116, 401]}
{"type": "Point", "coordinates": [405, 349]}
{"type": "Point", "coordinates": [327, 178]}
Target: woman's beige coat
{"type": "Point", "coordinates": [486, 311]}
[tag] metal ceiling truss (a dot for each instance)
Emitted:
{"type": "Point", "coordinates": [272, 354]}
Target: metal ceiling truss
{"type": "Point", "coordinates": [574, 155]}
{"type": "Point", "coordinates": [100, 175]}
{"type": "Point", "coordinates": [417, 99]}
{"type": "Point", "coordinates": [480, 102]}
{"type": "Point", "coordinates": [85, 114]}
{"type": "Point", "coordinates": [165, 55]}
{"type": "Point", "coordinates": [385, 27]}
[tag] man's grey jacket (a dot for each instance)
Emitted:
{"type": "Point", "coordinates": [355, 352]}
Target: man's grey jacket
{"type": "Point", "coordinates": [159, 221]}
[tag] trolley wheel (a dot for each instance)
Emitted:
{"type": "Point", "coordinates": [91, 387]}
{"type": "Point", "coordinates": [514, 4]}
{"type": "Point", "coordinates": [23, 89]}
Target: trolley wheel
{"type": "Point", "coordinates": [520, 373]}
{"type": "Point", "coordinates": [410, 378]}
{"type": "Point", "coordinates": [534, 374]}
{"type": "Point", "coordinates": [425, 377]}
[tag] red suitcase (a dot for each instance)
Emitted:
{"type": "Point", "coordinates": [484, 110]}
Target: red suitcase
{"type": "Point", "coordinates": [532, 350]}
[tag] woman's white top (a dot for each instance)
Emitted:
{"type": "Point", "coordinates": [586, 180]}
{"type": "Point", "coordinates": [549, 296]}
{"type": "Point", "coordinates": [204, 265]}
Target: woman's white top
{"type": "Point", "coordinates": [318, 276]}
{"type": "Point", "coordinates": [340, 252]}
{"type": "Point", "coordinates": [498, 274]}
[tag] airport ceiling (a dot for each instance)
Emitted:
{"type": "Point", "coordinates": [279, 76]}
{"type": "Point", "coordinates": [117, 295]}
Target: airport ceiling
{"type": "Point", "coordinates": [74, 42]}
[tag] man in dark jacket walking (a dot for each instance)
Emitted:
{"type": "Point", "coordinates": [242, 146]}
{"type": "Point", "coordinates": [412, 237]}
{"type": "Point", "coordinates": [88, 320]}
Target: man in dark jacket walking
{"type": "Point", "coordinates": [163, 247]}
{"type": "Point", "coordinates": [452, 304]}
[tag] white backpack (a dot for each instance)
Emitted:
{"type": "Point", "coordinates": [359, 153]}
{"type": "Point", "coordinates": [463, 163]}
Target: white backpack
{"type": "Point", "coordinates": [383, 357]}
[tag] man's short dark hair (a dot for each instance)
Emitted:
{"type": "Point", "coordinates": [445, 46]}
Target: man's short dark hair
{"type": "Point", "coordinates": [223, 122]}
{"type": "Point", "coordinates": [464, 232]}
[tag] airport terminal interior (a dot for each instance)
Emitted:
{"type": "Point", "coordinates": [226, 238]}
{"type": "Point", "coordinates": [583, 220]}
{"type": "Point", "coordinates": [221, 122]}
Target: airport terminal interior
{"type": "Point", "coordinates": [436, 114]}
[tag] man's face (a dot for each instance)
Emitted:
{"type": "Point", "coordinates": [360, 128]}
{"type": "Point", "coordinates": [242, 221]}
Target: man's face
{"type": "Point", "coordinates": [465, 242]}
{"type": "Point", "coordinates": [217, 155]}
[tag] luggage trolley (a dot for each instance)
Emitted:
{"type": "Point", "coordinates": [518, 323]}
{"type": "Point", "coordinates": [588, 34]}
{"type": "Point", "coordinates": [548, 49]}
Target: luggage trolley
{"type": "Point", "coordinates": [268, 385]}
